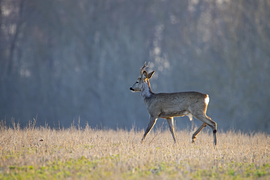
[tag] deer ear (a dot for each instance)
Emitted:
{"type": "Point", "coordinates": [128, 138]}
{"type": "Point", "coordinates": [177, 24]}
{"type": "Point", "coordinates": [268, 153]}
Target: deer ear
{"type": "Point", "coordinates": [150, 74]}
{"type": "Point", "coordinates": [145, 74]}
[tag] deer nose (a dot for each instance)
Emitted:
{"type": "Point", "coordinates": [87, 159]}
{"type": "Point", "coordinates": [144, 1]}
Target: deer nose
{"type": "Point", "coordinates": [131, 89]}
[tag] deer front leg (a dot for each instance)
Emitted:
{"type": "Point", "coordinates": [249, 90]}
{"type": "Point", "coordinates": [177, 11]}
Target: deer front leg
{"type": "Point", "coordinates": [171, 124]}
{"type": "Point", "coordinates": [149, 127]}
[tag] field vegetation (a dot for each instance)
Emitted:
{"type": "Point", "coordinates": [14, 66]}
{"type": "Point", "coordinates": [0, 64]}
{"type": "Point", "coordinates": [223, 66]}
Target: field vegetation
{"type": "Point", "coordinates": [86, 153]}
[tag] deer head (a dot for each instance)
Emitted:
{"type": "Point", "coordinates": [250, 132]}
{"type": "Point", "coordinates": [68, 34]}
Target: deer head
{"type": "Point", "coordinates": [142, 80]}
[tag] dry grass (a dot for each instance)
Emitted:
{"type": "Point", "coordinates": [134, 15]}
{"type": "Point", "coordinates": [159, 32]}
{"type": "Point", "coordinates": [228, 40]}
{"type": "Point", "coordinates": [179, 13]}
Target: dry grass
{"type": "Point", "coordinates": [77, 153]}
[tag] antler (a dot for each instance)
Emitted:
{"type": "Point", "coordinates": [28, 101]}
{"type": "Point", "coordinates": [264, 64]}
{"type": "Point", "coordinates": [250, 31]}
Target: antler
{"type": "Point", "coordinates": [144, 67]}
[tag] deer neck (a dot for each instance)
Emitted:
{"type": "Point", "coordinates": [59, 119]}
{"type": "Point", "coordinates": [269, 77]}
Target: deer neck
{"type": "Point", "coordinates": [146, 91]}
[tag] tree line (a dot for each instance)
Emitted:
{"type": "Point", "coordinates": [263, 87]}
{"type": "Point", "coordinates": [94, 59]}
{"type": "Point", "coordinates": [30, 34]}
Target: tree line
{"type": "Point", "coordinates": [67, 60]}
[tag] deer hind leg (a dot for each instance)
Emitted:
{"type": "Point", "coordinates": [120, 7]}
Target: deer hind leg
{"type": "Point", "coordinates": [198, 131]}
{"type": "Point", "coordinates": [149, 127]}
{"type": "Point", "coordinates": [207, 120]}
{"type": "Point", "coordinates": [171, 124]}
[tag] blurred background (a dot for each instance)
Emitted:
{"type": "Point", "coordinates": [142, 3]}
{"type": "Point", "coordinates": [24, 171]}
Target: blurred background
{"type": "Point", "coordinates": [64, 60]}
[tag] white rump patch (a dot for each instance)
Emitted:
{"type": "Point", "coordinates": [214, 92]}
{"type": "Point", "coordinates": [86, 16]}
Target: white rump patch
{"type": "Point", "coordinates": [206, 100]}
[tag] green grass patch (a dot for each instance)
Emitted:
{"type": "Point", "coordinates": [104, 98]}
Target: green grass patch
{"type": "Point", "coordinates": [101, 168]}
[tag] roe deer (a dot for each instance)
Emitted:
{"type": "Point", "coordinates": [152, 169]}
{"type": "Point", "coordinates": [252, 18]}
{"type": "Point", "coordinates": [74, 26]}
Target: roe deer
{"type": "Point", "coordinates": [169, 105]}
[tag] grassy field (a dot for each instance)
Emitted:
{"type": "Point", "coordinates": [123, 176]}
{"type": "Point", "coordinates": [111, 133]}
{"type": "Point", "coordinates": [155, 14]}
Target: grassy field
{"type": "Point", "coordinates": [87, 153]}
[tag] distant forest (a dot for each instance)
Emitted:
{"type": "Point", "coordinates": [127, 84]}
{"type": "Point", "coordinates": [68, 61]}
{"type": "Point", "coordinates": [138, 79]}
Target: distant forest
{"type": "Point", "coordinates": [64, 61]}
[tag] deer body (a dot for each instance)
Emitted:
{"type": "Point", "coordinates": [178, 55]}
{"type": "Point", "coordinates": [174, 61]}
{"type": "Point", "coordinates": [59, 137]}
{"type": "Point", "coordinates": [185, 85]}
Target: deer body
{"type": "Point", "coordinates": [166, 105]}
{"type": "Point", "coordinates": [169, 105]}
